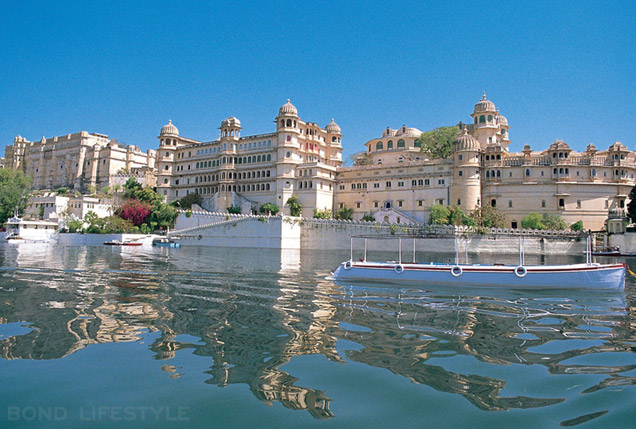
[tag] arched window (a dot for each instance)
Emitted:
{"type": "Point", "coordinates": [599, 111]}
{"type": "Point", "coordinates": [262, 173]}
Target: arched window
{"type": "Point", "coordinates": [269, 157]}
{"type": "Point", "coordinates": [258, 158]}
{"type": "Point", "coordinates": [379, 146]}
{"type": "Point", "coordinates": [561, 203]}
{"type": "Point", "coordinates": [389, 144]}
{"type": "Point", "coordinates": [489, 118]}
{"type": "Point", "coordinates": [282, 122]}
{"type": "Point", "coordinates": [400, 143]}
{"type": "Point", "coordinates": [482, 119]}
{"type": "Point", "coordinates": [475, 119]}
{"type": "Point", "coordinates": [289, 122]}
{"type": "Point", "coordinates": [498, 173]}
{"type": "Point", "coordinates": [527, 172]}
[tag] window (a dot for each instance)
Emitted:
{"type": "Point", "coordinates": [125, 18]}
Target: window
{"type": "Point", "coordinates": [459, 201]}
{"type": "Point", "coordinates": [413, 182]}
{"type": "Point", "coordinates": [621, 204]}
{"type": "Point", "coordinates": [510, 203]}
{"type": "Point", "coordinates": [420, 203]}
{"type": "Point", "coordinates": [461, 173]}
{"type": "Point", "coordinates": [376, 185]}
{"type": "Point", "coordinates": [493, 203]}
{"type": "Point", "coordinates": [400, 203]}
{"type": "Point", "coordinates": [427, 182]}
{"type": "Point", "coordinates": [606, 204]}
{"type": "Point", "coordinates": [400, 144]}
{"type": "Point", "coordinates": [578, 204]}
{"type": "Point", "coordinates": [375, 204]}
{"type": "Point", "coordinates": [379, 146]}
{"type": "Point", "coordinates": [389, 145]}
{"type": "Point", "coordinates": [388, 184]}
{"type": "Point", "coordinates": [400, 184]}
{"type": "Point", "coordinates": [440, 181]}
{"type": "Point", "coordinates": [459, 157]}
{"type": "Point", "coordinates": [357, 205]}
{"type": "Point", "coordinates": [527, 172]}
{"type": "Point", "coordinates": [561, 203]}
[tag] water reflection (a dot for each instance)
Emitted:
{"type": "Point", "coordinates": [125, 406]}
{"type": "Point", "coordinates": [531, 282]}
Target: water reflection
{"type": "Point", "coordinates": [254, 311]}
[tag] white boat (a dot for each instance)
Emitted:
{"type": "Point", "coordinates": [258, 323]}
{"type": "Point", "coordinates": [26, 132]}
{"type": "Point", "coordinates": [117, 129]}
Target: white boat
{"type": "Point", "coordinates": [574, 276]}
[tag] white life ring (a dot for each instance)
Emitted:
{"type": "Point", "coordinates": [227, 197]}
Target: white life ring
{"type": "Point", "coordinates": [520, 271]}
{"type": "Point", "coordinates": [399, 269]}
{"type": "Point", "coordinates": [456, 271]}
{"type": "Point", "coordinates": [347, 265]}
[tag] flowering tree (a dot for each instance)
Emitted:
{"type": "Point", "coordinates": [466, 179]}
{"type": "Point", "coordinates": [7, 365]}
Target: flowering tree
{"type": "Point", "coordinates": [135, 211]}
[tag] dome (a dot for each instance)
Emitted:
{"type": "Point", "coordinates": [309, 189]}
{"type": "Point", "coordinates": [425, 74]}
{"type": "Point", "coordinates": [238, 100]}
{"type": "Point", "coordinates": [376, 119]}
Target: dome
{"type": "Point", "coordinates": [484, 105]}
{"type": "Point", "coordinates": [590, 148]}
{"type": "Point", "coordinates": [466, 142]}
{"type": "Point", "coordinates": [617, 147]}
{"type": "Point", "coordinates": [169, 129]}
{"type": "Point", "coordinates": [332, 127]}
{"type": "Point", "coordinates": [409, 132]}
{"type": "Point", "coordinates": [231, 122]}
{"type": "Point", "coordinates": [288, 109]}
{"type": "Point", "coordinates": [502, 120]}
{"type": "Point", "coordinates": [559, 145]}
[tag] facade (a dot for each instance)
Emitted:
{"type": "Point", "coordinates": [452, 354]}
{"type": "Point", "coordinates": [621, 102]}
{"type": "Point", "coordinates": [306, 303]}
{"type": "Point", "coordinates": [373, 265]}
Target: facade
{"type": "Point", "coordinates": [77, 160]}
{"type": "Point", "coordinates": [53, 207]}
{"type": "Point", "coordinates": [299, 158]}
{"type": "Point", "coordinates": [481, 170]}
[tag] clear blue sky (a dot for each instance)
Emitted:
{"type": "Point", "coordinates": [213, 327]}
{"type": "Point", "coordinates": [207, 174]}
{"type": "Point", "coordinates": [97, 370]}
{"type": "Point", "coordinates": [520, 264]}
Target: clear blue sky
{"type": "Point", "coordinates": [557, 70]}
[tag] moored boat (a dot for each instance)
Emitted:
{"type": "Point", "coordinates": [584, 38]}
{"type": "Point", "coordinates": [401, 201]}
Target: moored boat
{"type": "Point", "coordinates": [122, 243]}
{"type": "Point", "coordinates": [573, 276]}
{"type": "Point", "coordinates": [165, 242]}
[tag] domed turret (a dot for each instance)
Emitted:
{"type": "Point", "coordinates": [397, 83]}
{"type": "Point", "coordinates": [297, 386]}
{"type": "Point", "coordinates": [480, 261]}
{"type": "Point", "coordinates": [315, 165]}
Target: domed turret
{"type": "Point", "coordinates": [466, 142]}
{"type": "Point", "coordinates": [169, 129]}
{"type": "Point", "coordinates": [231, 122]}
{"type": "Point", "coordinates": [332, 127]}
{"type": "Point", "coordinates": [288, 109]}
{"type": "Point", "coordinates": [484, 105]}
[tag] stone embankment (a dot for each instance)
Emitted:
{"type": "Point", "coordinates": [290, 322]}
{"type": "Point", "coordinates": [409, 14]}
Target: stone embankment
{"type": "Point", "coordinates": [222, 229]}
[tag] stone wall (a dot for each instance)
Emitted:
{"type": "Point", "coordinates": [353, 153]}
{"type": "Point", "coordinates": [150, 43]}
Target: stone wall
{"type": "Point", "coordinates": [226, 230]}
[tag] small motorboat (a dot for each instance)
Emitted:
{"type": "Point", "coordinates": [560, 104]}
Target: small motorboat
{"type": "Point", "coordinates": [165, 242]}
{"type": "Point", "coordinates": [574, 276]}
{"type": "Point", "coordinates": [122, 243]}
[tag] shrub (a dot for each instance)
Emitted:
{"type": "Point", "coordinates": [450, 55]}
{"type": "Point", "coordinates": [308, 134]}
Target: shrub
{"type": "Point", "coordinates": [295, 209]}
{"type": "Point", "coordinates": [344, 213]}
{"type": "Point", "coordinates": [439, 215]}
{"type": "Point", "coordinates": [322, 214]}
{"type": "Point", "coordinates": [234, 210]}
{"type": "Point", "coordinates": [135, 211]}
{"type": "Point", "coordinates": [577, 226]}
{"type": "Point", "coordinates": [368, 217]}
{"type": "Point", "coordinates": [269, 208]}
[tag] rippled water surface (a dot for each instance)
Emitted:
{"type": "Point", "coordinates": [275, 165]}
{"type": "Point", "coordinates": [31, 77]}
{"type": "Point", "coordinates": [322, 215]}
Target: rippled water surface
{"type": "Point", "coordinates": [236, 337]}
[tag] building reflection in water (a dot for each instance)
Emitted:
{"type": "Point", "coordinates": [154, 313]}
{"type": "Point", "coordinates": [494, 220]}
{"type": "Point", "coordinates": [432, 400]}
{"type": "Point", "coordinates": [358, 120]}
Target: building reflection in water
{"type": "Point", "coordinates": [255, 311]}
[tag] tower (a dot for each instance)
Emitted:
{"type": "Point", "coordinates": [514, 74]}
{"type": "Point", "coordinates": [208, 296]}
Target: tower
{"type": "Point", "coordinates": [465, 188]}
{"type": "Point", "coordinates": [489, 127]}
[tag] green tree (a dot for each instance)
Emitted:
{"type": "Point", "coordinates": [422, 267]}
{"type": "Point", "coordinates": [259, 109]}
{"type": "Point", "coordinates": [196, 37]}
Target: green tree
{"type": "Point", "coordinates": [295, 209]}
{"type": "Point", "coordinates": [234, 210]}
{"type": "Point", "coordinates": [190, 199]}
{"type": "Point", "coordinates": [437, 143]}
{"type": "Point", "coordinates": [487, 217]}
{"type": "Point", "coordinates": [74, 225]}
{"type": "Point", "coordinates": [14, 187]}
{"type": "Point", "coordinates": [322, 214]}
{"type": "Point", "coordinates": [532, 221]}
{"type": "Point", "coordinates": [439, 215]}
{"type": "Point", "coordinates": [456, 216]}
{"type": "Point", "coordinates": [631, 206]}
{"type": "Point", "coordinates": [553, 222]}
{"type": "Point", "coordinates": [163, 216]}
{"type": "Point", "coordinates": [344, 213]}
{"type": "Point", "coordinates": [577, 226]}
{"type": "Point", "coordinates": [269, 208]}
{"type": "Point", "coordinates": [368, 217]}
{"type": "Point", "coordinates": [361, 158]}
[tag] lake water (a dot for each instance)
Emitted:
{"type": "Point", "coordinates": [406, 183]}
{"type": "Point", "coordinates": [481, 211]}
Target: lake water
{"type": "Point", "coordinates": [153, 337]}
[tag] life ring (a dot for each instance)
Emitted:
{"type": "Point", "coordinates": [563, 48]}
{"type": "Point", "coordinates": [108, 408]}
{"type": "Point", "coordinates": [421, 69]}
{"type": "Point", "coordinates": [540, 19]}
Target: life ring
{"type": "Point", "coordinates": [399, 269]}
{"type": "Point", "coordinates": [520, 271]}
{"type": "Point", "coordinates": [456, 271]}
{"type": "Point", "coordinates": [347, 265]}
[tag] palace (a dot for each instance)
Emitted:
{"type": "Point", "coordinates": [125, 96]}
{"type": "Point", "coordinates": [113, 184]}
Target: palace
{"type": "Point", "coordinates": [401, 184]}
{"type": "Point", "coordinates": [394, 181]}
{"type": "Point", "coordinates": [78, 161]}
{"type": "Point", "coordinates": [300, 158]}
